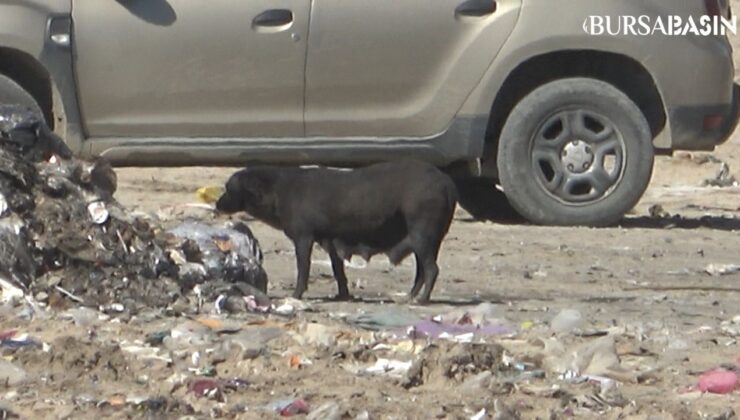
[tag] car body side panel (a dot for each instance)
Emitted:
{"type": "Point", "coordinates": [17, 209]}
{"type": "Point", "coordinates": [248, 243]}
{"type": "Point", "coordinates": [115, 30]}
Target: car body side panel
{"type": "Point", "coordinates": [183, 68]}
{"type": "Point", "coordinates": [23, 23]}
{"type": "Point", "coordinates": [396, 68]}
{"type": "Point", "coordinates": [686, 69]}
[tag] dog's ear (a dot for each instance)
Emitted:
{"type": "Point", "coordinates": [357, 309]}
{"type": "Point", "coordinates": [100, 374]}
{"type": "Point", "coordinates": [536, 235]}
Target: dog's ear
{"type": "Point", "coordinates": [251, 185]}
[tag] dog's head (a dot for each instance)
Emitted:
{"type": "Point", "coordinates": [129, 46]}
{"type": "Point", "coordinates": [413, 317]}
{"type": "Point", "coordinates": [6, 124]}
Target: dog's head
{"type": "Point", "coordinates": [250, 190]}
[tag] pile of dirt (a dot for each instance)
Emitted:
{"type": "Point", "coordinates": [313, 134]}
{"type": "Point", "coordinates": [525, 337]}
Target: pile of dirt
{"type": "Point", "coordinates": [63, 237]}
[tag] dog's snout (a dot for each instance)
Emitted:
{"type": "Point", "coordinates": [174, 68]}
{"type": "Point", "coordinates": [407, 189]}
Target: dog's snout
{"type": "Point", "coordinates": [227, 204]}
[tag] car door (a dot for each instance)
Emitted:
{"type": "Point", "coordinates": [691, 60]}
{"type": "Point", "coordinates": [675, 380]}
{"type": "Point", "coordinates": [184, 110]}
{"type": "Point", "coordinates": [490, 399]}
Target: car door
{"type": "Point", "coordinates": [398, 68]}
{"type": "Point", "coordinates": [191, 68]}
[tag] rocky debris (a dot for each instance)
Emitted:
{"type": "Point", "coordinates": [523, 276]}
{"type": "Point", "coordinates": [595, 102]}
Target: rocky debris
{"type": "Point", "coordinates": [64, 237]}
{"type": "Point", "coordinates": [723, 177]}
{"type": "Point", "coordinates": [448, 361]}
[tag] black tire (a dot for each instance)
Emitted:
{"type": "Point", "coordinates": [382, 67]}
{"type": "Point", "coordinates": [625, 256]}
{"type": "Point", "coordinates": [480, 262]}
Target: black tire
{"type": "Point", "coordinates": [575, 152]}
{"type": "Point", "coordinates": [483, 201]}
{"type": "Point", "coordinates": [11, 93]}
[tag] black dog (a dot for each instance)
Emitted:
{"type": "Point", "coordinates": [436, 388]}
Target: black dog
{"type": "Point", "coordinates": [397, 208]}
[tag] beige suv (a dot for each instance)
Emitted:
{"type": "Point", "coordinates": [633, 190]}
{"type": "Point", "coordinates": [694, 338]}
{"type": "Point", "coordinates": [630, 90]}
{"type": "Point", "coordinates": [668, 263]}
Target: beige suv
{"type": "Point", "coordinates": [519, 93]}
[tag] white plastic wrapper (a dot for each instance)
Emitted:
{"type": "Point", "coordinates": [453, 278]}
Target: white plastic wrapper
{"type": "Point", "coordinates": [3, 205]}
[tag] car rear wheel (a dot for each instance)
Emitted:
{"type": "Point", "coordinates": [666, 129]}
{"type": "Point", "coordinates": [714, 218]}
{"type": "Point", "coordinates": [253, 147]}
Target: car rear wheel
{"type": "Point", "coordinates": [575, 152]}
{"type": "Point", "coordinates": [481, 198]}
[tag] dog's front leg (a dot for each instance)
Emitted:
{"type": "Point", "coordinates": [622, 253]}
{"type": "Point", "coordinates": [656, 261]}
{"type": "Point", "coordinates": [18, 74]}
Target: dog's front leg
{"type": "Point", "coordinates": [303, 248]}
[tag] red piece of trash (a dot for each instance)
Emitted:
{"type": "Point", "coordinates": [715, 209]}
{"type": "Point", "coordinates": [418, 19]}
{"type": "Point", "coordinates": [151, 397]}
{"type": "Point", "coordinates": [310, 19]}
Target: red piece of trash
{"type": "Point", "coordinates": [4, 335]}
{"type": "Point", "coordinates": [207, 388]}
{"type": "Point", "coordinates": [295, 407]}
{"type": "Point", "coordinates": [718, 381]}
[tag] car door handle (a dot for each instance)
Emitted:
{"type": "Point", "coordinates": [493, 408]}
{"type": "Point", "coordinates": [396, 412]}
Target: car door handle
{"type": "Point", "coordinates": [476, 8]}
{"type": "Point", "coordinates": [275, 18]}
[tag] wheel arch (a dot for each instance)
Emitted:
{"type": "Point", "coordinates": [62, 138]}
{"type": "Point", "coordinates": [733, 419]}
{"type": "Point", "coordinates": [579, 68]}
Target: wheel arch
{"type": "Point", "coordinates": [621, 71]}
{"type": "Point", "coordinates": [32, 76]}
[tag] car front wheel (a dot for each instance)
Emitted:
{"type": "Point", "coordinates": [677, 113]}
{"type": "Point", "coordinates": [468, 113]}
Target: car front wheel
{"type": "Point", "coordinates": [575, 152]}
{"type": "Point", "coordinates": [13, 94]}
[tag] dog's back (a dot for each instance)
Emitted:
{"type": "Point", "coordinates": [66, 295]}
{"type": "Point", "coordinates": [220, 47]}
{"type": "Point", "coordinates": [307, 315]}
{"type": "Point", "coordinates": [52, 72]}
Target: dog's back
{"type": "Point", "coordinates": [337, 201]}
{"type": "Point", "coordinates": [367, 210]}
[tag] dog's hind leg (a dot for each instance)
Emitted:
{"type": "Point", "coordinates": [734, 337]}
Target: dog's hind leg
{"type": "Point", "coordinates": [400, 251]}
{"type": "Point", "coordinates": [303, 248]}
{"type": "Point", "coordinates": [418, 280]}
{"type": "Point", "coordinates": [428, 261]}
{"type": "Point", "coordinates": [426, 244]}
{"type": "Point", "coordinates": [337, 266]}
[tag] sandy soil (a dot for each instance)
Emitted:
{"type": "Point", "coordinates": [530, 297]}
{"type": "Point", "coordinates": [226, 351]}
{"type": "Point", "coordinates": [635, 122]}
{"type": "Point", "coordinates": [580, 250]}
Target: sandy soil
{"type": "Point", "coordinates": [645, 282]}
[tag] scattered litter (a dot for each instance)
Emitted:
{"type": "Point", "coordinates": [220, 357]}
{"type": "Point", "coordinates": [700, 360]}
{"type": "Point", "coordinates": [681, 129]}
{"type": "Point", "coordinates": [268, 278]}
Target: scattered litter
{"type": "Point", "coordinates": [98, 212]}
{"type": "Point", "coordinates": [6, 335]}
{"type": "Point", "coordinates": [83, 316]}
{"type": "Point", "coordinates": [479, 415]}
{"type": "Point", "coordinates": [298, 362]}
{"type": "Point", "coordinates": [722, 269]}
{"type": "Point", "coordinates": [17, 342]}
{"type": "Point", "coordinates": [254, 305]}
{"type": "Point", "coordinates": [455, 332]}
{"type": "Point", "coordinates": [722, 179]}
{"type": "Point", "coordinates": [396, 368]}
{"type": "Point", "coordinates": [356, 262]}
{"type": "Point", "coordinates": [290, 306]}
{"type": "Point", "coordinates": [449, 361]}
{"type": "Point", "coordinates": [210, 194]}
{"type": "Point", "coordinates": [10, 292]}
{"type": "Point", "coordinates": [588, 360]}
{"type": "Point", "coordinates": [385, 319]}
{"type": "Point", "coordinates": [11, 374]}
{"type": "Point", "coordinates": [718, 381]}
{"type": "Point", "coordinates": [188, 335]}
{"type": "Point", "coordinates": [566, 321]}
{"type": "Point", "coordinates": [403, 346]}
{"type": "Point", "coordinates": [207, 388]}
{"type": "Point", "coordinates": [327, 411]}
{"type": "Point", "coordinates": [290, 408]}
{"type": "Point", "coordinates": [317, 335]}
{"type": "Point", "coordinates": [145, 353]}
{"type": "Point", "coordinates": [481, 315]}
{"type": "Point", "coordinates": [6, 413]}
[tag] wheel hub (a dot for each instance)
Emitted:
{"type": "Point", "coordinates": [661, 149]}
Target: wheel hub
{"type": "Point", "coordinates": [577, 156]}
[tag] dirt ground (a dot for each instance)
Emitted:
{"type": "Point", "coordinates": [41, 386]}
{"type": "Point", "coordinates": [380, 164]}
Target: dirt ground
{"type": "Point", "coordinates": [646, 284]}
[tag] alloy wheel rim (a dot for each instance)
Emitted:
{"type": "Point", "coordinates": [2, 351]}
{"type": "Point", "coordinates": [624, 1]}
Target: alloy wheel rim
{"type": "Point", "coordinates": [578, 156]}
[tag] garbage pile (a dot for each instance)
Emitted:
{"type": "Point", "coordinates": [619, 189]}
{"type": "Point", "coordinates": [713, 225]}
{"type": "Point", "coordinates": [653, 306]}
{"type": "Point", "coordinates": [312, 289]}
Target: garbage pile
{"type": "Point", "coordinates": [63, 237]}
